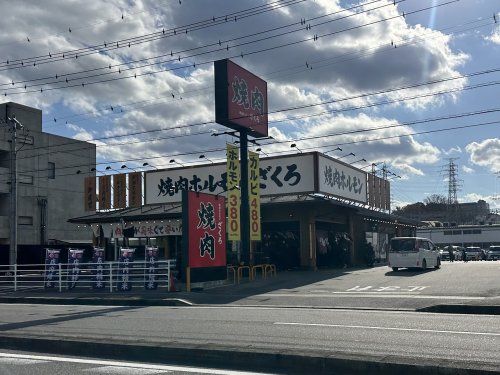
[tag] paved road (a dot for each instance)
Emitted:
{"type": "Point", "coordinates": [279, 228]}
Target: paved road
{"type": "Point", "coordinates": [463, 340]}
{"type": "Point", "coordinates": [378, 287]}
{"type": "Point", "coordinates": [22, 363]}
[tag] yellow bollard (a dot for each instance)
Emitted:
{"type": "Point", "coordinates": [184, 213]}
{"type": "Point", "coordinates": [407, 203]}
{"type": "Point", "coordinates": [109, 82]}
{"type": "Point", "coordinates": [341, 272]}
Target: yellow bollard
{"type": "Point", "coordinates": [188, 279]}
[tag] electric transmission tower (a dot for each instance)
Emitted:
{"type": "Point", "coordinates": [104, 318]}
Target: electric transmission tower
{"type": "Point", "coordinates": [453, 188]}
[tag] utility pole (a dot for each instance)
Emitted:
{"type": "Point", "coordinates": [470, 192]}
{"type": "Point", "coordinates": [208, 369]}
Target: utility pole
{"type": "Point", "coordinates": [14, 125]}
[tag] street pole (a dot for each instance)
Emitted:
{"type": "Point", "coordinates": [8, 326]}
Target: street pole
{"type": "Point", "coordinates": [245, 206]}
{"type": "Point", "coordinates": [13, 188]}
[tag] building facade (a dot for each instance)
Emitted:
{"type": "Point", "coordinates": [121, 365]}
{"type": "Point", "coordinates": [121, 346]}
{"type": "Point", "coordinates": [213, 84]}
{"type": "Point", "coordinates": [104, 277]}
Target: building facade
{"type": "Point", "coordinates": [50, 189]}
{"type": "Point", "coordinates": [463, 235]}
{"type": "Point", "coordinates": [315, 212]}
{"type": "Point", "coordinates": [468, 213]}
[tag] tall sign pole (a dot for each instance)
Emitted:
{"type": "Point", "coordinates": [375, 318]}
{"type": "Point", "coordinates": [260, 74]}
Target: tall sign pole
{"type": "Point", "coordinates": [241, 104]}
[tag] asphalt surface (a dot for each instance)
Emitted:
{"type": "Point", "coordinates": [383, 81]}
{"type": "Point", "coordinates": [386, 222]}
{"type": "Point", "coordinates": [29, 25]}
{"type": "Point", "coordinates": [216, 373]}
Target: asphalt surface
{"type": "Point", "coordinates": [22, 363]}
{"type": "Point", "coordinates": [472, 283]}
{"type": "Point", "coordinates": [378, 287]}
{"type": "Point", "coordinates": [363, 314]}
{"type": "Point", "coordinates": [465, 341]}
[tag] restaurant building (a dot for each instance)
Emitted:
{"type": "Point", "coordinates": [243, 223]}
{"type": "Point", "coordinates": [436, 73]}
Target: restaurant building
{"type": "Point", "coordinates": [316, 211]}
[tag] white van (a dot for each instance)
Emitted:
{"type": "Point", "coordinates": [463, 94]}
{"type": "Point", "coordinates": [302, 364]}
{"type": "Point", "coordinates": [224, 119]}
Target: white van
{"type": "Point", "coordinates": [413, 252]}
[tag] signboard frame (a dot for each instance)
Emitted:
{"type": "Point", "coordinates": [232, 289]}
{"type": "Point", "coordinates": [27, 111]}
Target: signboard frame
{"type": "Point", "coordinates": [310, 190]}
{"type": "Point", "coordinates": [200, 266]}
{"type": "Point", "coordinates": [341, 163]}
{"type": "Point", "coordinates": [227, 104]}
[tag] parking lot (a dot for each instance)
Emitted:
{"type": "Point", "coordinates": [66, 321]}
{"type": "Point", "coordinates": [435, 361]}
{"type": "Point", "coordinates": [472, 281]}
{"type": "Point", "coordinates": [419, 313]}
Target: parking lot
{"type": "Point", "coordinates": [476, 282]}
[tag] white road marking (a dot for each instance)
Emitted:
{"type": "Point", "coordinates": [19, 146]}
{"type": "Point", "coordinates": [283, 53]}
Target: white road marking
{"type": "Point", "coordinates": [130, 365]}
{"type": "Point", "coordinates": [386, 289]}
{"type": "Point", "coordinates": [20, 361]}
{"type": "Point", "coordinates": [123, 370]}
{"type": "Point", "coordinates": [388, 328]}
{"type": "Point", "coordinates": [371, 295]}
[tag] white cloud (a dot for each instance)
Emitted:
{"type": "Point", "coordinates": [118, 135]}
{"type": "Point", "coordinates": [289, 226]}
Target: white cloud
{"type": "Point", "coordinates": [344, 65]}
{"type": "Point", "coordinates": [495, 34]}
{"type": "Point", "coordinates": [466, 169]}
{"type": "Point", "coordinates": [492, 200]}
{"type": "Point", "coordinates": [485, 153]}
{"type": "Point", "coordinates": [409, 169]}
{"type": "Point", "coordinates": [452, 150]}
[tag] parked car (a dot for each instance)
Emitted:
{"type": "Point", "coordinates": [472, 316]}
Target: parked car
{"type": "Point", "coordinates": [493, 253]}
{"type": "Point", "coordinates": [413, 252]}
{"type": "Point", "coordinates": [474, 253]}
{"type": "Point", "coordinates": [444, 254]}
{"type": "Point", "coordinates": [458, 252]}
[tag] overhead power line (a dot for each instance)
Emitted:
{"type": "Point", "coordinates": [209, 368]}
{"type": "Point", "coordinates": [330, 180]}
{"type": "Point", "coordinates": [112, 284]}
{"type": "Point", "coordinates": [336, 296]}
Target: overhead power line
{"type": "Point", "coordinates": [173, 56]}
{"type": "Point", "coordinates": [155, 139]}
{"type": "Point", "coordinates": [122, 17]}
{"type": "Point", "coordinates": [117, 109]}
{"type": "Point", "coordinates": [276, 142]}
{"type": "Point", "coordinates": [83, 84]}
{"type": "Point", "coordinates": [336, 101]}
{"type": "Point", "coordinates": [163, 33]}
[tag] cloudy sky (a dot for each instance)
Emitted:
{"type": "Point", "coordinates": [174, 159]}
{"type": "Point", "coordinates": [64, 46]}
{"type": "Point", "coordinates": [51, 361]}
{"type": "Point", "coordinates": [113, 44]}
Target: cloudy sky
{"type": "Point", "coordinates": [411, 84]}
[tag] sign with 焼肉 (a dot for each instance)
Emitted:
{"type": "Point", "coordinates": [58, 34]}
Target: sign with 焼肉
{"type": "Point", "coordinates": [204, 235]}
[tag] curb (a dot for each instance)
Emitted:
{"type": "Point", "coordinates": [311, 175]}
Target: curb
{"type": "Point", "coordinates": [462, 309]}
{"type": "Point", "coordinates": [95, 301]}
{"type": "Point", "coordinates": [281, 362]}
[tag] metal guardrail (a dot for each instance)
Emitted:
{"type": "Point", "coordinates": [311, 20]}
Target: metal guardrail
{"type": "Point", "coordinates": [106, 276]}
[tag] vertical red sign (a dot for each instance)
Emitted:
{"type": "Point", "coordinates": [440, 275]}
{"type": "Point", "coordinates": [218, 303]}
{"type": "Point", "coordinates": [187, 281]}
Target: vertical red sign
{"type": "Point", "coordinates": [240, 99]}
{"type": "Point", "coordinates": [206, 230]}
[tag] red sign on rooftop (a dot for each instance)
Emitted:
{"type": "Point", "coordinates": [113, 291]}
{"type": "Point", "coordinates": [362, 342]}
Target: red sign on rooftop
{"type": "Point", "coordinates": [240, 99]}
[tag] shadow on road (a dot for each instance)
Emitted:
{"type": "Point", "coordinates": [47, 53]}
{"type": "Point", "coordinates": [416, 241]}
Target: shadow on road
{"type": "Point", "coordinates": [64, 318]}
{"type": "Point", "coordinates": [409, 272]}
{"type": "Point", "coordinates": [287, 281]}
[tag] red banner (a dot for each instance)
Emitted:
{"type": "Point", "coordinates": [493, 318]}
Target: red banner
{"type": "Point", "coordinates": [135, 189]}
{"type": "Point", "coordinates": [104, 192]}
{"type": "Point", "coordinates": [119, 190]}
{"type": "Point", "coordinates": [206, 230]}
{"type": "Point", "coordinates": [90, 193]}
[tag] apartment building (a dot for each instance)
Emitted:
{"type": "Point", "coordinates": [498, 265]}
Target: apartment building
{"type": "Point", "coordinates": [50, 184]}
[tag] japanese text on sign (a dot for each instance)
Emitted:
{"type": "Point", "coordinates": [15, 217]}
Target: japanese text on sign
{"type": "Point", "coordinates": [150, 268]}
{"type": "Point", "coordinates": [51, 267]}
{"type": "Point", "coordinates": [240, 99]}
{"type": "Point", "coordinates": [254, 196]}
{"type": "Point", "coordinates": [98, 268]}
{"type": "Point", "coordinates": [287, 175]}
{"type": "Point", "coordinates": [233, 194]}
{"type": "Point", "coordinates": [341, 180]}
{"type": "Point", "coordinates": [206, 223]}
